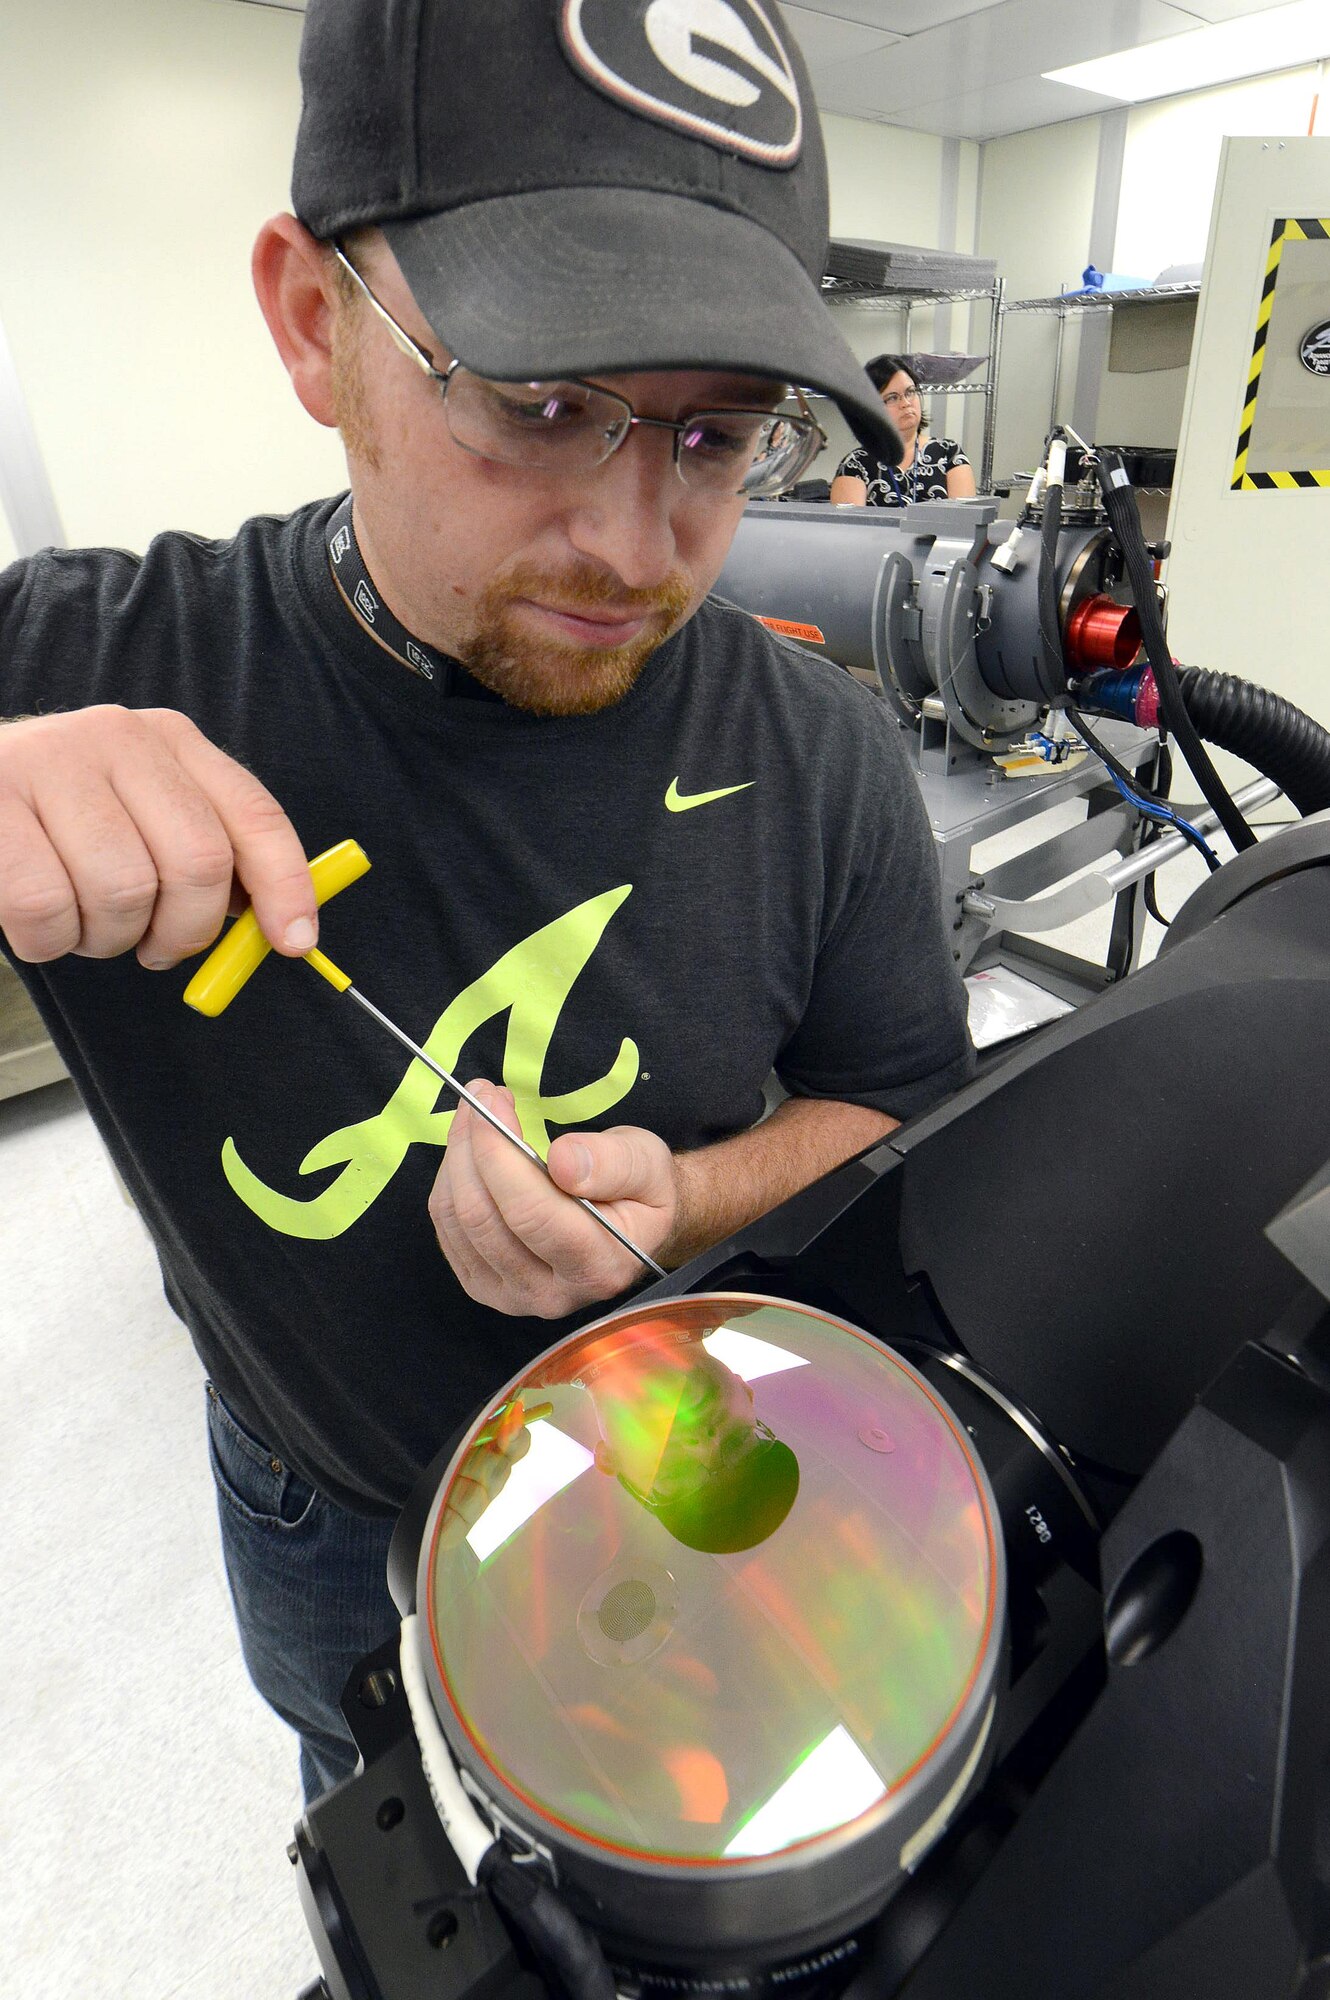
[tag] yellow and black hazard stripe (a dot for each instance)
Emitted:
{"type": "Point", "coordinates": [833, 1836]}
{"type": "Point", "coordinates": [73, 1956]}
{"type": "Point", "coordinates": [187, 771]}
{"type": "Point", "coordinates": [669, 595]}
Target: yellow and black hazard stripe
{"type": "Point", "coordinates": [1287, 229]}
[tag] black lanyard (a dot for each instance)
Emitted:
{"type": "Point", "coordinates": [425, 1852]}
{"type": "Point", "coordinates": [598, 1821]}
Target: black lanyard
{"type": "Point", "coordinates": [356, 589]}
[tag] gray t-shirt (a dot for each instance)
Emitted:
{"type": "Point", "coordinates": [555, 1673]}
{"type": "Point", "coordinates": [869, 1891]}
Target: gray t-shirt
{"type": "Point", "coordinates": [630, 918]}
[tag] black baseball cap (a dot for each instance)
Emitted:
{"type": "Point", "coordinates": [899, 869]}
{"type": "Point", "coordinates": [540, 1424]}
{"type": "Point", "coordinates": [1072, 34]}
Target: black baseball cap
{"type": "Point", "coordinates": [585, 186]}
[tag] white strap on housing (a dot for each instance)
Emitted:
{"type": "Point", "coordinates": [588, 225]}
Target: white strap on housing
{"type": "Point", "coordinates": [467, 1832]}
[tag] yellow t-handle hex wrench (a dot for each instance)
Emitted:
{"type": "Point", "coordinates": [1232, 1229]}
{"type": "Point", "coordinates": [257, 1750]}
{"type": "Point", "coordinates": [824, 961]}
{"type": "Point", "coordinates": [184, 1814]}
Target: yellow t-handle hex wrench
{"type": "Point", "coordinates": [243, 950]}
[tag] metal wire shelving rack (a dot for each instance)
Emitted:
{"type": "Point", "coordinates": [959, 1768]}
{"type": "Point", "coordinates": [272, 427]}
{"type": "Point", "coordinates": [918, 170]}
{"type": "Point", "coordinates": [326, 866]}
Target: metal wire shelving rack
{"type": "Point", "coordinates": [903, 301]}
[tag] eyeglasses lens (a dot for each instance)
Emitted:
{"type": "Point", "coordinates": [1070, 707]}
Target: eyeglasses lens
{"type": "Point", "coordinates": [573, 427]}
{"type": "Point", "coordinates": [742, 451]}
{"type": "Point", "coordinates": [546, 425]}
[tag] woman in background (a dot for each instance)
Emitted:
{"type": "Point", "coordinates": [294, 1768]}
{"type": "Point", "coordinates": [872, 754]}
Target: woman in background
{"type": "Point", "coordinates": [936, 469]}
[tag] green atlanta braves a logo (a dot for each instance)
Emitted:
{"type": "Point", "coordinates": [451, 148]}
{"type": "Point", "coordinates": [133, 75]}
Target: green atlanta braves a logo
{"type": "Point", "coordinates": [531, 983]}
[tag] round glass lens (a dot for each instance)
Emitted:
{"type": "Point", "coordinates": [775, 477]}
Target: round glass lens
{"type": "Point", "coordinates": [712, 1579]}
{"type": "Point", "coordinates": [534, 423]}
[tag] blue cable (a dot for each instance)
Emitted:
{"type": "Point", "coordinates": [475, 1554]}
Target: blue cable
{"type": "Point", "coordinates": [1155, 810]}
{"type": "Point", "coordinates": [1151, 807]}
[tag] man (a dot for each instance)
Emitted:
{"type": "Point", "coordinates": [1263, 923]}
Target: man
{"type": "Point", "coordinates": [552, 271]}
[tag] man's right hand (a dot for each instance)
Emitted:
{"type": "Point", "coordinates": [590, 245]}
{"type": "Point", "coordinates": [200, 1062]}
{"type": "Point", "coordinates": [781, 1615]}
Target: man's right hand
{"type": "Point", "coordinates": [127, 830]}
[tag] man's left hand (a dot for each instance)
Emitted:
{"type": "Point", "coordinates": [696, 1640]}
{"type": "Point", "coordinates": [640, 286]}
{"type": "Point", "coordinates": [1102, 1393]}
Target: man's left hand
{"type": "Point", "coordinates": [512, 1235]}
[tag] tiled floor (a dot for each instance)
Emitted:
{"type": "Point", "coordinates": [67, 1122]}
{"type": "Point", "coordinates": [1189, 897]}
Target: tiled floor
{"type": "Point", "coordinates": [147, 1794]}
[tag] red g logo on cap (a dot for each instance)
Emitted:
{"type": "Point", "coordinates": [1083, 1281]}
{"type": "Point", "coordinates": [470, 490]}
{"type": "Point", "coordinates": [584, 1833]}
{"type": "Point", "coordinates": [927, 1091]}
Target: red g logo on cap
{"type": "Point", "coordinates": [715, 69]}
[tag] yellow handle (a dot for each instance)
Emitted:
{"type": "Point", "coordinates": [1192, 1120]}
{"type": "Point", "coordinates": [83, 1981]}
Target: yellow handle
{"type": "Point", "coordinates": [327, 970]}
{"type": "Point", "coordinates": [244, 948]}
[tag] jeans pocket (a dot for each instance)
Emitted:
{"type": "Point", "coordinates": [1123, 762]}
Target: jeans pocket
{"type": "Point", "coordinates": [250, 1478]}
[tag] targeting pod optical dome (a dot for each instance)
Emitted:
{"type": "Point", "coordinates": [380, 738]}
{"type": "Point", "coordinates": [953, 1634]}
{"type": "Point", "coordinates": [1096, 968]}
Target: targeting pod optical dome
{"type": "Point", "coordinates": [712, 1606]}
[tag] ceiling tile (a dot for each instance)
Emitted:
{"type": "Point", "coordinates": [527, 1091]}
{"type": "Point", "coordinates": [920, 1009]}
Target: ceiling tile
{"type": "Point", "coordinates": [991, 113]}
{"type": "Point", "coordinates": [826, 40]}
{"type": "Point", "coordinates": [1002, 45]}
{"type": "Point", "coordinates": [970, 68]}
{"type": "Point", "coordinates": [898, 17]}
{"type": "Point", "coordinates": [1207, 11]}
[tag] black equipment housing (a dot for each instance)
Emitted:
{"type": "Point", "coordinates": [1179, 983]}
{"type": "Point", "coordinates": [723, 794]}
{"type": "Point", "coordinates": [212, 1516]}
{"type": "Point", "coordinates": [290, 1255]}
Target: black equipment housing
{"type": "Point", "coordinates": [1075, 1249]}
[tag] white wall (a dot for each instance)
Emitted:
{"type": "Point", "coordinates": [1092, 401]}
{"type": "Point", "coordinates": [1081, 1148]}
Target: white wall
{"type": "Point", "coordinates": [884, 180]}
{"type": "Point", "coordinates": [1171, 162]}
{"type": "Point", "coordinates": [141, 144]}
{"type": "Point", "coordinates": [891, 185]}
{"type": "Point", "coordinates": [1037, 206]}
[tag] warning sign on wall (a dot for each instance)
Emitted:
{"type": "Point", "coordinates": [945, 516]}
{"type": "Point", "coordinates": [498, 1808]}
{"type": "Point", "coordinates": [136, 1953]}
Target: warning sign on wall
{"type": "Point", "coordinates": [1284, 438]}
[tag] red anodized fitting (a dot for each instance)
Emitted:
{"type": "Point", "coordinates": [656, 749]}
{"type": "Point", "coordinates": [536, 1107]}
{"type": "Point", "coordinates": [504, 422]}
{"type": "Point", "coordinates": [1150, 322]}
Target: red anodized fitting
{"type": "Point", "coordinates": [1102, 633]}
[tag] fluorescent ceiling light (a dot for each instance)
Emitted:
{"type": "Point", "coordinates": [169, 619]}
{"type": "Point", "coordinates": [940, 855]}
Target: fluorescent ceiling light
{"type": "Point", "coordinates": [747, 1357]}
{"type": "Point", "coordinates": [833, 1785]}
{"type": "Point", "coordinates": [1253, 46]}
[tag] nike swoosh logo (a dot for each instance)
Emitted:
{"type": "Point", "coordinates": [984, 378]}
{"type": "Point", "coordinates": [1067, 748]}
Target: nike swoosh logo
{"type": "Point", "coordinates": [682, 802]}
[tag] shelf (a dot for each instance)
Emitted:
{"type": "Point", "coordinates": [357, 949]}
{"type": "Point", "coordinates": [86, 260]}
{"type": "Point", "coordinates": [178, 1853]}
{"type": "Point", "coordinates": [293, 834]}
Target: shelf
{"type": "Point", "coordinates": [902, 301]}
{"type": "Point", "coordinates": [1018, 482]}
{"type": "Point", "coordinates": [27, 1059]}
{"type": "Point", "coordinates": [861, 293]}
{"type": "Point", "coordinates": [1063, 303]}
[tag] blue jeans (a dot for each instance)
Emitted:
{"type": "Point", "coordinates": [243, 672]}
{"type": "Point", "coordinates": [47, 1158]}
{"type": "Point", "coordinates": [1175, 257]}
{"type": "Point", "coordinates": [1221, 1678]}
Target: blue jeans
{"type": "Point", "coordinates": [308, 1582]}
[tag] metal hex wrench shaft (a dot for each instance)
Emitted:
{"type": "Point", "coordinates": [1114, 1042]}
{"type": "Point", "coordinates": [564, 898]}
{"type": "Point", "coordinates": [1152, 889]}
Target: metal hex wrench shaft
{"type": "Point", "coordinates": [244, 949]}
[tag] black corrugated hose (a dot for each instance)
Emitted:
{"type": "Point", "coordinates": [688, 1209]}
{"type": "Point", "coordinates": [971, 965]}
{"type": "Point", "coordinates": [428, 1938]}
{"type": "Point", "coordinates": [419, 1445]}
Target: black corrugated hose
{"type": "Point", "coordinates": [1264, 730]}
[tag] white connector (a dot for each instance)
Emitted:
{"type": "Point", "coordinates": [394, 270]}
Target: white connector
{"type": "Point", "coordinates": [1008, 557]}
{"type": "Point", "coordinates": [1057, 461]}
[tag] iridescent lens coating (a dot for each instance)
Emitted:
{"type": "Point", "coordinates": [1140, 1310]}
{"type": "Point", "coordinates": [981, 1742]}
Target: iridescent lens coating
{"type": "Point", "coordinates": [734, 1589]}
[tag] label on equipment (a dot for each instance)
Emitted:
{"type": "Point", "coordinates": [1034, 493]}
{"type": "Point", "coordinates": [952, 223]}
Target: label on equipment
{"type": "Point", "coordinates": [789, 630]}
{"type": "Point", "coordinates": [1314, 350]}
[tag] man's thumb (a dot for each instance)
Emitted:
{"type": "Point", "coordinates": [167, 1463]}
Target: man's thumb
{"type": "Point", "coordinates": [624, 1164]}
{"type": "Point", "coordinates": [574, 1165]}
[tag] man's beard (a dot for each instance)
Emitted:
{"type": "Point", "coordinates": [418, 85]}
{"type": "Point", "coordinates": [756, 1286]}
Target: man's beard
{"type": "Point", "coordinates": [548, 677]}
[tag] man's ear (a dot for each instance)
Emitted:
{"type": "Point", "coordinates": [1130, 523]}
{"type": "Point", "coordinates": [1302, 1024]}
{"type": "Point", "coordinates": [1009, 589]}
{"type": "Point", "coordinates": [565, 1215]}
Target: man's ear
{"type": "Point", "coordinates": [296, 287]}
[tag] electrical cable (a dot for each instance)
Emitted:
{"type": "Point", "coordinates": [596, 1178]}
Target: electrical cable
{"type": "Point", "coordinates": [1160, 789]}
{"type": "Point", "coordinates": [1102, 751]}
{"type": "Point", "coordinates": [1050, 665]}
{"type": "Point", "coordinates": [563, 1946]}
{"type": "Point", "coordinates": [1165, 816]}
{"type": "Point", "coordinates": [468, 1835]}
{"type": "Point", "coordinates": [1144, 802]}
{"type": "Point", "coordinates": [1149, 834]}
{"type": "Point", "coordinates": [1124, 518]}
{"type": "Point", "coordinates": [1163, 779]}
{"type": "Point", "coordinates": [1121, 955]}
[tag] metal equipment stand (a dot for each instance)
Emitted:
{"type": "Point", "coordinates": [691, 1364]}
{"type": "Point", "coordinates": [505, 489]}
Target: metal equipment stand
{"type": "Point", "coordinates": [969, 806]}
